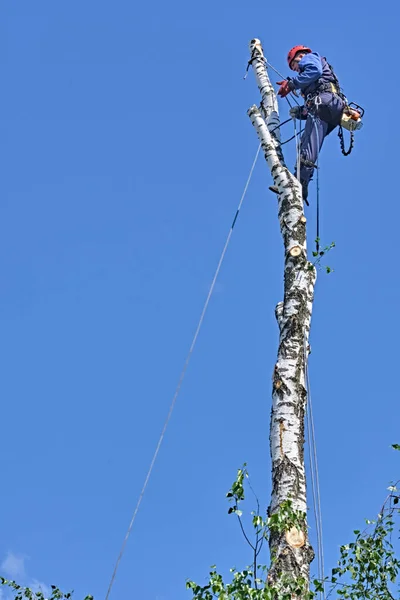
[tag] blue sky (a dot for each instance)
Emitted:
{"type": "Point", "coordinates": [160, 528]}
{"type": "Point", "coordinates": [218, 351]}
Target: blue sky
{"type": "Point", "coordinates": [125, 146]}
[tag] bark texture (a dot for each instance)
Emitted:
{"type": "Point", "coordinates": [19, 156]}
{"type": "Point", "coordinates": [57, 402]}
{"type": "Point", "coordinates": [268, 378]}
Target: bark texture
{"type": "Point", "coordinates": [292, 551]}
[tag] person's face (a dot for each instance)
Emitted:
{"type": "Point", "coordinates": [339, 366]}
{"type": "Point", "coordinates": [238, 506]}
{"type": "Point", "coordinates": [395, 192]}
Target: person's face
{"type": "Point", "coordinates": [294, 65]}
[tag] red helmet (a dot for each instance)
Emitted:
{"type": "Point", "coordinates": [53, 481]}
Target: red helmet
{"type": "Point", "coordinates": [295, 50]}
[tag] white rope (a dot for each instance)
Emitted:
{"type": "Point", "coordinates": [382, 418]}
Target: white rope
{"type": "Point", "coordinates": [185, 366]}
{"type": "Point", "coordinates": [315, 478]}
{"type": "Point", "coordinates": [297, 150]}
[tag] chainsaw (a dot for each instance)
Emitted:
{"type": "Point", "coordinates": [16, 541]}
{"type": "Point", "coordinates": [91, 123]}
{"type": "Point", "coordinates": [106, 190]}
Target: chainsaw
{"type": "Point", "coordinates": [352, 117]}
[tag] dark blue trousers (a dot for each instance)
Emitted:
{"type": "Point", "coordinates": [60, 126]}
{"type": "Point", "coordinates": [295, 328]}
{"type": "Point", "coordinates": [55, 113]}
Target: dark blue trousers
{"type": "Point", "coordinates": [322, 119]}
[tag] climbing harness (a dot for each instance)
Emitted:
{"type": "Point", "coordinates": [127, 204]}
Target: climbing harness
{"type": "Point", "coordinates": [314, 98]}
{"type": "Point", "coordinates": [351, 118]}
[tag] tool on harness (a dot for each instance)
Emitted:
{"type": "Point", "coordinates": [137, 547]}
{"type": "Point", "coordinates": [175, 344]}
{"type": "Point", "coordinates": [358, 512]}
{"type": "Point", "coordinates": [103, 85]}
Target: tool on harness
{"type": "Point", "coordinates": [352, 115]}
{"type": "Point", "coordinates": [351, 120]}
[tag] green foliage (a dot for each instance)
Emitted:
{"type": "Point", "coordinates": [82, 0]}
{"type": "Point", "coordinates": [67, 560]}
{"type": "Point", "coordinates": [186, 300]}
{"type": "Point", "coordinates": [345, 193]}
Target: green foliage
{"type": "Point", "coordinates": [368, 568]}
{"type": "Point", "coordinates": [236, 493]}
{"type": "Point", "coordinates": [251, 583]}
{"type": "Point", "coordinates": [319, 254]}
{"type": "Point", "coordinates": [21, 592]}
{"type": "Point", "coordinates": [241, 587]}
{"type": "Point", "coordinates": [283, 520]}
{"type": "Point", "coordinates": [286, 518]}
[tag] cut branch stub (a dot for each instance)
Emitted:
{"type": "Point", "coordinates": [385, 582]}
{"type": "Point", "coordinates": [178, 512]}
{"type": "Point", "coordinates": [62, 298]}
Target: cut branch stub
{"type": "Point", "coordinates": [295, 537]}
{"type": "Point", "coordinates": [295, 251]}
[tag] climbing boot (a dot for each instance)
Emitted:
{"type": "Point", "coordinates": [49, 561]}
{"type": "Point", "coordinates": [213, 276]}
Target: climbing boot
{"type": "Point", "coordinates": [304, 190]}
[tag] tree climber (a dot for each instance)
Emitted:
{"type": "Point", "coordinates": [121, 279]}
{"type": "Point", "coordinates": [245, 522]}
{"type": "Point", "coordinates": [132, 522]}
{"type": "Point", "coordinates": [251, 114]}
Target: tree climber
{"type": "Point", "coordinates": [322, 110]}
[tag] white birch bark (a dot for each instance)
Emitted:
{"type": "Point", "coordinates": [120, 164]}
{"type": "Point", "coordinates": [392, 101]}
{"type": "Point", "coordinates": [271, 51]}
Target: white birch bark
{"type": "Point", "coordinates": [293, 553]}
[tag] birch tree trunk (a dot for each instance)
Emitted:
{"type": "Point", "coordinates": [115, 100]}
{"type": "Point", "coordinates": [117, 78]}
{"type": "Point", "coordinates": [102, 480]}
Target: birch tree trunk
{"type": "Point", "coordinates": [290, 550]}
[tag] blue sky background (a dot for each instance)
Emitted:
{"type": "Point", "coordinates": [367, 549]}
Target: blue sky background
{"type": "Point", "coordinates": [124, 149]}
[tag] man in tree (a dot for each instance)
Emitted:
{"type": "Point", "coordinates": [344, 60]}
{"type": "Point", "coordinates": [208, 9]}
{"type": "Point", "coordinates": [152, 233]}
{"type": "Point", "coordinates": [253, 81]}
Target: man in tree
{"type": "Point", "coordinates": [322, 110]}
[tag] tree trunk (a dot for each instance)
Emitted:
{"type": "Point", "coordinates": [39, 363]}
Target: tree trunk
{"type": "Point", "coordinates": [290, 550]}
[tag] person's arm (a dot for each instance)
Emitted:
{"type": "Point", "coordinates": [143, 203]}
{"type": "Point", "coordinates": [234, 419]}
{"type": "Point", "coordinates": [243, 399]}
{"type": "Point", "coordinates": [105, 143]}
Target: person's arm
{"type": "Point", "coordinates": [310, 70]}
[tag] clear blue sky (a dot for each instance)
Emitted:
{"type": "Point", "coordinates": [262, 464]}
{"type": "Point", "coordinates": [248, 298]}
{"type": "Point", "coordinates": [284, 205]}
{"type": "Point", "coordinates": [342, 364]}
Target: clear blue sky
{"type": "Point", "coordinates": [125, 146]}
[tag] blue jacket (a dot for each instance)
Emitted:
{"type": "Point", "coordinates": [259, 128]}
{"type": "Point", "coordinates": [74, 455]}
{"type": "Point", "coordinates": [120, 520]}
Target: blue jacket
{"type": "Point", "coordinates": [314, 73]}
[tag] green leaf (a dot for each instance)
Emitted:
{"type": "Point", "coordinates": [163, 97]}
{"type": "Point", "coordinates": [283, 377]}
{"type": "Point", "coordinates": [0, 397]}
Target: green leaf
{"type": "Point", "coordinates": [396, 446]}
{"type": "Point", "coordinates": [318, 586]}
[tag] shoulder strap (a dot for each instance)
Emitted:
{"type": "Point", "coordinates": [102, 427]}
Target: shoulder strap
{"type": "Point", "coordinates": [333, 74]}
{"type": "Point", "coordinates": [337, 84]}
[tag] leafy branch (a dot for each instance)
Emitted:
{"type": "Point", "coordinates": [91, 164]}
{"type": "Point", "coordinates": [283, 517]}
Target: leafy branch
{"type": "Point", "coordinates": [22, 592]}
{"type": "Point", "coordinates": [319, 254]}
{"type": "Point", "coordinates": [368, 568]}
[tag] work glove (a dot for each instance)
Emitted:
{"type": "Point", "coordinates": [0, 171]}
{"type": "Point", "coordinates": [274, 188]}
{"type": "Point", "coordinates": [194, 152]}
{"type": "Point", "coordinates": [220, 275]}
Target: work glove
{"type": "Point", "coordinates": [286, 87]}
{"type": "Point", "coordinates": [298, 112]}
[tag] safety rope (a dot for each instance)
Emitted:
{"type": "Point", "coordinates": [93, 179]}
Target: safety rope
{"type": "Point", "coordinates": [268, 64]}
{"type": "Point", "coordinates": [297, 150]}
{"type": "Point", "coordinates": [280, 125]}
{"type": "Point", "coordinates": [317, 239]}
{"type": "Point", "coordinates": [312, 446]}
{"type": "Point", "coordinates": [182, 375]}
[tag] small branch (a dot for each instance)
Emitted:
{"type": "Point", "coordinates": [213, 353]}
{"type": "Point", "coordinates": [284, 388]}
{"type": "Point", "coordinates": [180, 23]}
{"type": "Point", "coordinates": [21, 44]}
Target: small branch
{"type": "Point", "coordinates": [255, 569]}
{"type": "Point", "coordinates": [261, 545]}
{"type": "Point", "coordinates": [244, 533]}
{"type": "Point", "coordinates": [255, 496]}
